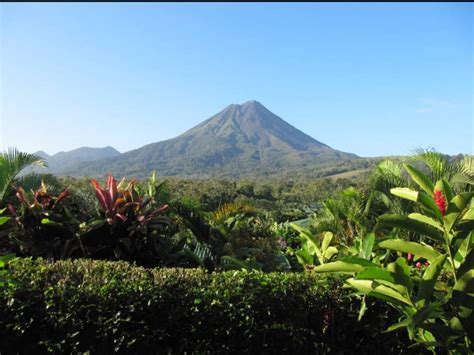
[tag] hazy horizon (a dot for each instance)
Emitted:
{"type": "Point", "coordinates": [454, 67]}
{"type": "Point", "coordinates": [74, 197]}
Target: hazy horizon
{"type": "Point", "coordinates": [370, 79]}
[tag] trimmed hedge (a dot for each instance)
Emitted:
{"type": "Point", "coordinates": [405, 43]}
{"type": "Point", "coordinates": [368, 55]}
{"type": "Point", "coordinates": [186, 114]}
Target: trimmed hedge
{"type": "Point", "coordinates": [105, 307]}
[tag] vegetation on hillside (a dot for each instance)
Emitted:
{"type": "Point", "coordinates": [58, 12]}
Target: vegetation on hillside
{"type": "Point", "coordinates": [404, 233]}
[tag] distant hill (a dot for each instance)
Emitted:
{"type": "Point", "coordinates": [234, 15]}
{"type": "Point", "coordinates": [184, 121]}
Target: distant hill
{"type": "Point", "coordinates": [62, 161]}
{"type": "Point", "coordinates": [241, 140]}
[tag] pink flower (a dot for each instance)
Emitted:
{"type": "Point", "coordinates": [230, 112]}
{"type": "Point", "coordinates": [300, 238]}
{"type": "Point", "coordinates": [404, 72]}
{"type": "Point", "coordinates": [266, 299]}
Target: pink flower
{"type": "Point", "coordinates": [440, 201]}
{"type": "Point", "coordinates": [427, 263]}
{"type": "Point", "coordinates": [410, 257]}
{"type": "Point", "coordinates": [418, 265]}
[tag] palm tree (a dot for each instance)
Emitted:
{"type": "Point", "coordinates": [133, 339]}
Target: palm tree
{"type": "Point", "coordinates": [12, 162]}
{"type": "Point", "coordinates": [342, 215]}
{"type": "Point", "coordinates": [460, 173]}
{"type": "Point", "coordinates": [389, 174]}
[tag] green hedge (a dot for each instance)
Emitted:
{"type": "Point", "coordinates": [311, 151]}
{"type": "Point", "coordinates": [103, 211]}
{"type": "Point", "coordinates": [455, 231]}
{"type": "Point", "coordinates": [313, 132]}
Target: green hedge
{"type": "Point", "coordinates": [105, 307]}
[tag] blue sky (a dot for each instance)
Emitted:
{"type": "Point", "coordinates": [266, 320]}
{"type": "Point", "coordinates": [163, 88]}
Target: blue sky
{"type": "Point", "coordinates": [371, 79]}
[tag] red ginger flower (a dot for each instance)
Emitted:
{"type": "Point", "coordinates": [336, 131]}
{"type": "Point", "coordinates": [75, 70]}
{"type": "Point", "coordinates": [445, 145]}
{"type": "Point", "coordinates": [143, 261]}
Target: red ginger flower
{"type": "Point", "coordinates": [440, 201]}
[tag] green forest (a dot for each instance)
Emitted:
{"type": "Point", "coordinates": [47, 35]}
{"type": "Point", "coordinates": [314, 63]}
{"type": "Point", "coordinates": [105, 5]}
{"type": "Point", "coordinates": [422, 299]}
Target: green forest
{"type": "Point", "coordinates": [378, 257]}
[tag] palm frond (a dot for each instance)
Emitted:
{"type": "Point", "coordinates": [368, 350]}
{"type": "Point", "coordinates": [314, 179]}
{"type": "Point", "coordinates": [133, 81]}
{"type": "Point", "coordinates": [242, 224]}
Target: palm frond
{"type": "Point", "coordinates": [439, 165]}
{"type": "Point", "coordinates": [12, 162]}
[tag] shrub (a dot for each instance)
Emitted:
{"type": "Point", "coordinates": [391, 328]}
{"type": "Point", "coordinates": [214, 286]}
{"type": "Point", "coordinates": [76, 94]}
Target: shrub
{"type": "Point", "coordinates": [105, 307]}
{"type": "Point", "coordinates": [40, 225]}
{"type": "Point", "coordinates": [129, 225]}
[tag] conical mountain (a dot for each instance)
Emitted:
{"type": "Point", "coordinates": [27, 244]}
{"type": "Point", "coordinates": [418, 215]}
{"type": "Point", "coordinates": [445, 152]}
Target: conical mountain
{"type": "Point", "coordinates": [241, 140]}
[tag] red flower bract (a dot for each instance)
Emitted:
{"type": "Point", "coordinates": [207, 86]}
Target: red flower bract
{"type": "Point", "coordinates": [440, 201]}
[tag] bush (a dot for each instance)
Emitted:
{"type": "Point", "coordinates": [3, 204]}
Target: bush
{"type": "Point", "coordinates": [105, 307]}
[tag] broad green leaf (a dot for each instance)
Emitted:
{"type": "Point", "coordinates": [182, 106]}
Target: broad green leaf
{"type": "Point", "coordinates": [462, 251]}
{"type": "Point", "coordinates": [327, 238]}
{"type": "Point", "coordinates": [309, 237]}
{"type": "Point", "coordinates": [463, 292]}
{"type": "Point", "coordinates": [467, 264]}
{"type": "Point", "coordinates": [429, 206]}
{"type": "Point", "coordinates": [455, 207]}
{"type": "Point", "coordinates": [330, 252]}
{"type": "Point", "coordinates": [359, 261]}
{"type": "Point", "coordinates": [460, 201]}
{"type": "Point", "coordinates": [302, 230]}
{"type": "Point", "coordinates": [469, 215]}
{"type": "Point", "coordinates": [425, 200]}
{"type": "Point", "coordinates": [367, 246]}
{"type": "Point", "coordinates": [425, 219]}
{"type": "Point", "coordinates": [375, 273]}
{"type": "Point", "coordinates": [466, 282]}
{"type": "Point", "coordinates": [445, 188]}
{"type": "Point", "coordinates": [399, 221]}
{"type": "Point", "coordinates": [421, 179]}
{"type": "Point", "coordinates": [304, 257]}
{"type": "Point", "coordinates": [375, 289]}
{"type": "Point", "coordinates": [406, 193]}
{"type": "Point", "coordinates": [467, 220]}
{"type": "Point", "coordinates": [339, 266]}
{"type": "Point", "coordinates": [428, 281]}
{"type": "Point", "coordinates": [401, 272]}
{"type": "Point", "coordinates": [421, 250]}
{"type": "Point", "coordinates": [383, 276]}
{"type": "Point", "coordinates": [403, 324]}
{"type": "Point", "coordinates": [4, 220]}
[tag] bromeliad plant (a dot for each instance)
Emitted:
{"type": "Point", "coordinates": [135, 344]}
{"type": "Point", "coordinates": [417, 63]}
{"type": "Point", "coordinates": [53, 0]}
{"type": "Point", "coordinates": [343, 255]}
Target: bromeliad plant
{"type": "Point", "coordinates": [437, 301]}
{"type": "Point", "coordinates": [128, 226]}
{"type": "Point", "coordinates": [41, 225]}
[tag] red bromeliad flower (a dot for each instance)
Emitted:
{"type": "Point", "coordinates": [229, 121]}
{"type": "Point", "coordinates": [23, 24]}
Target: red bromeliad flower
{"type": "Point", "coordinates": [118, 203]}
{"type": "Point", "coordinates": [440, 201]}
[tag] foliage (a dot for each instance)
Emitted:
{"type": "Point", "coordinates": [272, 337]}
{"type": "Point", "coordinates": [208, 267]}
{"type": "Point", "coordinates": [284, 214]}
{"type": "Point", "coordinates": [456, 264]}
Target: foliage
{"type": "Point", "coordinates": [128, 226]}
{"type": "Point", "coordinates": [313, 251]}
{"type": "Point", "coordinates": [106, 307]}
{"type": "Point", "coordinates": [40, 225]}
{"type": "Point", "coordinates": [5, 274]}
{"type": "Point", "coordinates": [436, 301]}
{"type": "Point", "coordinates": [12, 162]}
{"type": "Point", "coordinates": [342, 214]}
{"type": "Point", "coordinates": [233, 237]}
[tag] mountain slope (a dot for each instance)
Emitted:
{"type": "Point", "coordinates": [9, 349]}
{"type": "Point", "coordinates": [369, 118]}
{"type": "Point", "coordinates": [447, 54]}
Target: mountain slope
{"type": "Point", "coordinates": [62, 161]}
{"type": "Point", "coordinates": [241, 140]}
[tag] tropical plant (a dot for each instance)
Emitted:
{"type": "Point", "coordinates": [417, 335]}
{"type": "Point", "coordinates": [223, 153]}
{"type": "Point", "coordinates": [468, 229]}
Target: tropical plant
{"type": "Point", "coordinates": [12, 163]}
{"type": "Point", "coordinates": [234, 236]}
{"type": "Point", "coordinates": [436, 302]}
{"type": "Point", "coordinates": [313, 251]}
{"type": "Point", "coordinates": [129, 224]}
{"type": "Point", "coordinates": [387, 175]}
{"type": "Point", "coordinates": [343, 215]}
{"type": "Point", "coordinates": [41, 225]}
{"type": "Point", "coordinates": [459, 173]}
